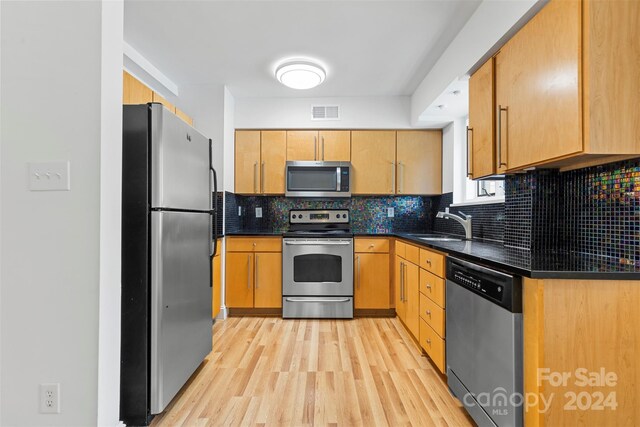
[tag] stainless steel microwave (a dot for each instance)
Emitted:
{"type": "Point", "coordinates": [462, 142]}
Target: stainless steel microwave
{"type": "Point", "coordinates": [318, 179]}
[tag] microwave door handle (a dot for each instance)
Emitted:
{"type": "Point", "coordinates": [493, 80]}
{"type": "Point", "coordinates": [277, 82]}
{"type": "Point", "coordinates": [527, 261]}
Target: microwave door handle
{"type": "Point", "coordinates": [339, 180]}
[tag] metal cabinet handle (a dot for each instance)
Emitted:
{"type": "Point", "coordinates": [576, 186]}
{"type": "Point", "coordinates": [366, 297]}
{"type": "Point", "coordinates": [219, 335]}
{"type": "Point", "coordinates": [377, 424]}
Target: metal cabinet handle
{"type": "Point", "coordinates": [323, 148]}
{"type": "Point", "coordinates": [499, 134]}
{"type": "Point", "coordinates": [255, 177]}
{"type": "Point", "coordinates": [428, 311]}
{"type": "Point", "coordinates": [255, 272]}
{"type": "Point", "coordinates": [393, 177]}
{"type": "Point", "coordinates": [262, 178]}
{"type": "Point", "coordinates": [248, 271]}
{"type": "Point", "coordinates": [358, 272]}
{"type": "Point", "coordinates": [428, 286]}
{"type": "Point", "coordinates": [401, 281]}
{"type": "Point", "coordinates": [400, 177]}
{"type": "Point", "coordinates": [429, 341]}
{"type": "Point", "coordinates": [469, 153]}
{"type": "Point", "coordinates": [315, 148]}
{"type": "Point", "coordinates": [371, 246]}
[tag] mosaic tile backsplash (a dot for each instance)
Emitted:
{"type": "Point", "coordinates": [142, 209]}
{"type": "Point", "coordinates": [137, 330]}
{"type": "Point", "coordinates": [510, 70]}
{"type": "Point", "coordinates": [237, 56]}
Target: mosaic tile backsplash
{"type": "Point", "coordinates": [487, 221]}
{"type": "Point", "coordinates": [368, 214]}
{"type": "Point", "coordinates": [592, 211]}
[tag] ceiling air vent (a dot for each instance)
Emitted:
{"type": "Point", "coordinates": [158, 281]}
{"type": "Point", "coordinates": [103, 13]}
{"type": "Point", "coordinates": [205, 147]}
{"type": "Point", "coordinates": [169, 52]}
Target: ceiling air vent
{"type": "Point", "coordinates": [325, 112]}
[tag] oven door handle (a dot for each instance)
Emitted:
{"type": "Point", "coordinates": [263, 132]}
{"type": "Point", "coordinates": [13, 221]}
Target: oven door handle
{"type": "Point", "coordinates": [319, 243]}
{"type": "Point", "coordinates": [317, 300]}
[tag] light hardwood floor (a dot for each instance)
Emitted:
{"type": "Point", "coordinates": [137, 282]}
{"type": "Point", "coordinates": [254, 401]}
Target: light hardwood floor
{"type": "Point", "coordinates": [270, 371]}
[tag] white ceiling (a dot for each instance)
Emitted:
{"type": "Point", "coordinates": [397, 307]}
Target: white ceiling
{"type": "Point", "coordinates": [369, 48]}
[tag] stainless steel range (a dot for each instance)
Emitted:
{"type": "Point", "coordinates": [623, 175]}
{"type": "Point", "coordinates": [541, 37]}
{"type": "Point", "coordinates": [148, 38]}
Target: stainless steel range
{"type": "Point", "coordinates": [317, 265]}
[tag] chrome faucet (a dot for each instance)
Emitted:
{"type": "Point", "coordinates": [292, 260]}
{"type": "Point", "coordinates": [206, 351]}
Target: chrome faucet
{"type": "Point", "coordinates": [466, 222]}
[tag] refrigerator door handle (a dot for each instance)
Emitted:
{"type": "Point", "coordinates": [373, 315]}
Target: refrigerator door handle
{"type": "Point", "coordinates": [215, 201]}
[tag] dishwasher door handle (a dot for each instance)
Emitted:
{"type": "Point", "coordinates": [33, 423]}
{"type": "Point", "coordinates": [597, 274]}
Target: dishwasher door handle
{"type": "Point", "coordinates": [320, 243]}
{"type": "Point", "coordinates": [317, 300]}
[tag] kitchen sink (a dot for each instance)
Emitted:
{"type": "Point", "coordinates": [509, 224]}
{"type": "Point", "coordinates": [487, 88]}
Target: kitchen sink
{"type": "Point", "coordinates": [437, 238]}
{"type": "Point", "coordinates": [440, 239]}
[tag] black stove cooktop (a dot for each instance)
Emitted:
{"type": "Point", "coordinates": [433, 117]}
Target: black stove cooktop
{"type": "Point", "coordinates": [319, 223]}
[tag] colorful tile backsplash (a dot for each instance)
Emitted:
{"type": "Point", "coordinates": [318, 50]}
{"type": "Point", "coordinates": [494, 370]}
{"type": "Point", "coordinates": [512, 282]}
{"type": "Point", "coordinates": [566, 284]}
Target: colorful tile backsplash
{"type": "Point", "coordinates": [368, 214]}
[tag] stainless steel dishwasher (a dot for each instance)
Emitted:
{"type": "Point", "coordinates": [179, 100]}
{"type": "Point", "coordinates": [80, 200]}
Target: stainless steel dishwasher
{"type": "Point", "coordinates": [484, 342]}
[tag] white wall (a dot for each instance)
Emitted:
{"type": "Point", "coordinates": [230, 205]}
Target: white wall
{"type": "Point", "coordinates": [488, 27]}
{"type": "Point", "coordinates": [448, 139]}
{"type": "Point", "coordinates": [356, 113]}
{"type": "Point", "coordinates": [51, 109]}
{"type": "Point", "coordinates": [110, 216]}
{"type": "Point", "coordinates": [229, 138]}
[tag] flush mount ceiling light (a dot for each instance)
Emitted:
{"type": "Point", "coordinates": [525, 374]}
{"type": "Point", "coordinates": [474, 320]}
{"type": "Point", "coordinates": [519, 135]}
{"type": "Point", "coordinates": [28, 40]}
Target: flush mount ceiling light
{"type": "Point", "coordinates": [300, 74]}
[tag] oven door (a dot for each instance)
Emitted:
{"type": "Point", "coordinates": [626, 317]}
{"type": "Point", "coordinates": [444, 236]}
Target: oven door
{"type": "Point", "coordinates": [317, 267]}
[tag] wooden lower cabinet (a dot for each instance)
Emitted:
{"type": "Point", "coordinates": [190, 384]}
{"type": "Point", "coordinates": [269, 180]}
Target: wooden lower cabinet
{"type": "Point", "coordinates": [577, 329]}
{"type": "Point", "coordinates": [254, 278]}
{"type": "Point", "coordinates": [216, 291]}
{"type": "Point", "coordinates": [268, 280]}
{"type": "Point", "coordinates": [408, 293]}
{"type": "Point", "coordinates": [371, 275]}
{"type": "Point", "coordinates": [433, 345]}
{"type": "Point", "coordinates": [420, 297]}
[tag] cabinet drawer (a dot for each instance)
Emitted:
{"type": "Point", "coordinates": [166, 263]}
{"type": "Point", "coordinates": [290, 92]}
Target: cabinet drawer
{"type": "Point", "coordinates": [433, 287]}
{"type": "Point", "coordinates": [254, 244]}
{"type": "Point", "coordinates": [433, 345]}
{"type": "Point", "coordinates": [431, 313]}
{"type": "Point", "coordinates": [401, 248]}
{"type": "Point", "coordinates": [432, 262]}
{"type": "Point", "coordinates": [364, 245]}
{"type": "Point", "coordinates": [412, 253]}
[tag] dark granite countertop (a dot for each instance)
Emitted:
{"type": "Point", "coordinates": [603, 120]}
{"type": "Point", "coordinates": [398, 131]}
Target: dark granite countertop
{"type": "Point", "coordinates": [549, 265]}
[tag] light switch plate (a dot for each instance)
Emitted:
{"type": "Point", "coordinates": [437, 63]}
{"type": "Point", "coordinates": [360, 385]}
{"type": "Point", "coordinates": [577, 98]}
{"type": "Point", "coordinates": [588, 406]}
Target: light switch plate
{"type": "Point", "coordinates": [50, 176]}
{"type": "Point", "coordinates": [239, 210]}
{"type": "Point", "coordinates": [390, 212]}
{"type": "Point", "coordinates": [258, 212]}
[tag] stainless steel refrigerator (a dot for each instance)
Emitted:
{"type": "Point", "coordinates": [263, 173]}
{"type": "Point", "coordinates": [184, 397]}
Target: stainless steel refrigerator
{"type": "Point", "coordinates": [168, 239]}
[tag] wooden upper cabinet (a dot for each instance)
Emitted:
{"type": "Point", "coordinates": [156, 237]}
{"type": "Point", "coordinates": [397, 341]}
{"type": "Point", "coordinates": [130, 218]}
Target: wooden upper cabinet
{"type": "Point", "coordinates": [133, 91]}
{"type": "Point", "coordinates": [273, 150]}
{"type": "Point", "coordinates": [302, 145]}
{"type": "Point", "coordinates": [538, 88]}
{"type": "Point", "coordinates": [373, 157]}
{"type": "Point", "coordinates": [419, 162]}
{"type": "Point", "coordinates": [247, 162]}
{"type": "Point", "coordinates": [334, 145]}
{"type": "Point", "coordinates": [481, 153]}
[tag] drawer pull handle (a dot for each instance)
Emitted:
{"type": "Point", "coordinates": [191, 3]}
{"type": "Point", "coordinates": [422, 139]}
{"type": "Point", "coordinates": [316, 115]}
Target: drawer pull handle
{"type": "Point", "coordinates": [371, 245]}
{"type": "Point", "coordinates": [429, 341]}
{"type": "Point", "coordinates": [429, 313]}
{"type": "Point", "coordinates": [428, 286]}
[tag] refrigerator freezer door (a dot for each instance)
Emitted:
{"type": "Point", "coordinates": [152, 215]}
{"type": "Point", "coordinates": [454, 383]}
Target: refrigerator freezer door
{"type": "Point", "coordinates": [180, 301]}
{"type": "Point", "coordinates": [179, 163]}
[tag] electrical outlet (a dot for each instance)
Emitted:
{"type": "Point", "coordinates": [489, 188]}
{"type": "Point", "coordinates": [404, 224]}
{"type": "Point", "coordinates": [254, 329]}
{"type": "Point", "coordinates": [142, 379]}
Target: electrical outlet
{"type": "Point", "coordinates": [258, 212]}
{"type": "Point", "coordinates": [239, 210]}
{"type": "Point", "coordinates": [51, 176]}
{"type": "Point", "coordinates": [50, 398]}
{"type": "Point", "coordinates": [390, 212]}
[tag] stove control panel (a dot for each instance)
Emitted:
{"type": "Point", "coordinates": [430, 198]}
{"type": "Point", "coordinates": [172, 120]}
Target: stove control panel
{"type": "Point", "coordinates": [321, 216]}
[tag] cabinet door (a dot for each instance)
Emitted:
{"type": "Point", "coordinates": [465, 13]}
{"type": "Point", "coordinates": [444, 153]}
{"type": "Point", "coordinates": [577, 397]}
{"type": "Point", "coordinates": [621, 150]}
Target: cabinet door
{"type": "Point", "coordinates": [268, 285]}
{"type": "Point", "coordinates": [169, 106]}
{"type": "Point", "coordinates": [399, 284]}
{"type": "Point", "coordinates": [273, 153]}
{"type": "Point", "coordinates": [538, 92]}
{"type": "Point", "coordinates": [334, 145]}
{"type": "Point", "coordinates": [217, 284]}
{"type": "Point", "coordinates": [412, 298]}
{"type": "Point", "coordinates": [481, 160]}
{"type": "Point", "coordinates": [247, 161]}
{"type": "Point", "coordinates": [419, 158]}
{"type": "Point", "coordinates": [302, 145]}
{"type": "Point", "coordinates": [371, 280]}
{"type": "Point", "coordinates": [239, 272]}
{"type": "Point", "coordinates": [373, 159]}
{"type": "Point", "coordinates": [133, 91]}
